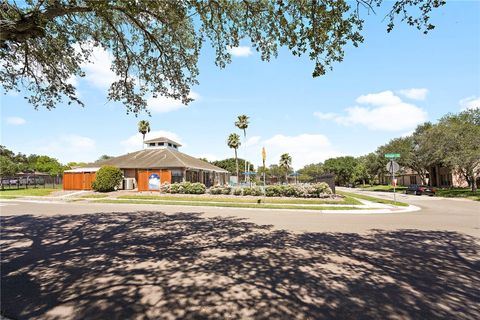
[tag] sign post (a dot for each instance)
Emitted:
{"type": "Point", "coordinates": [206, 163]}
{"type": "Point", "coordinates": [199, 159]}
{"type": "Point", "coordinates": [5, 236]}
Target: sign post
{"type": "Point", "coordinates": [264, 157]}
{"type": "Point", "coordinates": [393, 167]}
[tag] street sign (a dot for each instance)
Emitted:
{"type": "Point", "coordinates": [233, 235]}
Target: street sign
{"type": "Point", "coordinates": [392, 155]}
{"type": "Point", "coordinates": [392, 166]}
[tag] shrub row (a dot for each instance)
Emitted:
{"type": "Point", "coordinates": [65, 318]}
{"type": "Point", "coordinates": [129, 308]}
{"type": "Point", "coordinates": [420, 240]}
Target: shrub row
{"type": "Point", "coordinates": [184, 188]}
{"type": "Point", "coordinates": [218, 189]}
{"type": "Point", "coordinates": [319, 190]}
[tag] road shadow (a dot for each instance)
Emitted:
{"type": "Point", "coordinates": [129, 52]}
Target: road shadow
{"type": "Point", "coordinates": [149, 265]}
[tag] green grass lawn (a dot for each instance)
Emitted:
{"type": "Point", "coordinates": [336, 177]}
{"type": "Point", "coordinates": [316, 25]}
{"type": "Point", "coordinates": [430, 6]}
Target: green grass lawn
{"type": "Point", "coordinates": [228, 204]}
{"type": "Point", "coordinates": [458, 193]}
{"type": "Point", "coordinates": [26, 192]}
{"type": "Point", "coordinates": [239, 199]}
{"type": "Point", "coordinates": [388, 188]}
{"type": "Point", "coordinates": [373, 199]}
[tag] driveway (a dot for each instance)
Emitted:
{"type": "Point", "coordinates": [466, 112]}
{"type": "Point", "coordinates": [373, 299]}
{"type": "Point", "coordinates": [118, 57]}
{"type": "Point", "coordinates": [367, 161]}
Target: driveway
{"type": "Point", "coordinates": [119, 261]}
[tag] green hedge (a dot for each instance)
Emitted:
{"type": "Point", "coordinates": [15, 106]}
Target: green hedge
{"type": "Point", "coordinates": [218, 189]}
{"type": "Point", "coordinates": [319, 190]}
{"type": "Point", "coordinates": [184, 188]}
{"type": "Point", "coordinates": [107, 179]}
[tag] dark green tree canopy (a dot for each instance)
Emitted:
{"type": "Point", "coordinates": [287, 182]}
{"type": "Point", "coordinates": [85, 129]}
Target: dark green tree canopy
{"type": "Point", "coordinates": [230, 166]}
{"type": "Point", "coordinates": [156, 44]}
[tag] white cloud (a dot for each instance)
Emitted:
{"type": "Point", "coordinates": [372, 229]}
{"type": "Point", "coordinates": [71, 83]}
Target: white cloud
{"type": "Point", "coordinates": [98, 71]}
{"type": "Point", "coordinates": [415, 93]}
{"type": "Point", "coordinates": [134, 142]}
{"type": "Point", "coordinates": [304, 149]}
{"type": "Point", "coordinates": [163, 104]}
{"type": "Point", "coordinates": [16, 121]}
{"type": "Point", "coordinates": [252, 141]}
{"type": "Point", "coordinates": [70, 147]}
{"type": "Point", "coordinates": [389, 113]}
{"type": "Point", "coordinates": [241, 51]}
{"type": "Point", "coordinates": [73, 81]}
{"type": "Point", "coordinates": [470, 103]}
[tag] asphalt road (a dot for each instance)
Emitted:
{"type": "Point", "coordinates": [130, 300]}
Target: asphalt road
{"type": "Point", "coordinates": [438, 214]}
{"type": "Point", "coordinates": [120, 261]}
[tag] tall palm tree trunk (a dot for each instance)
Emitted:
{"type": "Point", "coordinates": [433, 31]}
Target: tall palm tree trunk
{"type": "Point", "coordinates": [246, 162]}
{"type": "Point", "coordinates": [236, 163]}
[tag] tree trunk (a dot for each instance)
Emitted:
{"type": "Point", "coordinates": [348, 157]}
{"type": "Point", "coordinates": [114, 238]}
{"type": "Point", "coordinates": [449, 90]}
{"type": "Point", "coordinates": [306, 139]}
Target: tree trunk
{"type": "Point", "coordinates": [246, 162]}
{"type": "Point", "coordinates": [143, 141]}
{"type": "Point", "coordinates": [236, 163]}
{"type": "Point", "coordinates": [473, 178]}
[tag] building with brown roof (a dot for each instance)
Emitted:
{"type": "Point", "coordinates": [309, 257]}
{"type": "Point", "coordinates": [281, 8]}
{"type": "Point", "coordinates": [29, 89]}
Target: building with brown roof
{"type": "Point", "coordinates": [160, 162]}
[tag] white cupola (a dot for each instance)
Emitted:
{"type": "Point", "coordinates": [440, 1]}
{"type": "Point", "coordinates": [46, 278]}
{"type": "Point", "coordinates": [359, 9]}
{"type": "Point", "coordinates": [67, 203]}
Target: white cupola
{"type": "Point", "coordinates": [162, 143]}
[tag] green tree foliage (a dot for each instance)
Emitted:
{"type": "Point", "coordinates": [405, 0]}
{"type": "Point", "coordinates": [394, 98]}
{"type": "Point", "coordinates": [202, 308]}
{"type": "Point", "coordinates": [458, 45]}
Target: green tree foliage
{"type": "Point", "coordinates": [73, 164]}
{"type": "Point", "coordinates": [7, 166]}
{"type": "Point", "coordinates": [33, 162]}
{"type": "Point", "coordinates": [374, 165]}
{"type": "Point", "coordinates": [242, 124]}
{"type": "Point", "coordinates": [48, 165]}
{"type": "Point", "coordinates": [455, 142]}
{"type": "Point", "coordinates": [285, 164]}
{"type": "Point", "coordinates": [343, 167]}
{"type": "Point", "coordinates": [107, 179]}
{"type": "Point", "coordinates": [233, 142]}
{"type": "Point", "coordinates": [361, 172]}
{"type": "Point", "coordinates": [156, 44]}
{"type": "Point", "coordinates": [104, 157]}
{"type": "Point", "coordinates": [311, 172]}
{"type": "Point", "coordinates": [143, 128]}
{"type": "Point", "coordinates": [230, 165]}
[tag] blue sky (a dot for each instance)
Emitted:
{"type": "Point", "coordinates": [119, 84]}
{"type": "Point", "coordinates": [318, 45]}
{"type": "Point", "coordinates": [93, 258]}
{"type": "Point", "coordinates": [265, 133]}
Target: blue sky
{"type": "Point", "coordinates": [381, 90]}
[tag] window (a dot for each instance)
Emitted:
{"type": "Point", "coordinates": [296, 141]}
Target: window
{"type": "Point", "coordinates": [444, 180]}
{"type": "Point", "coordinates": [169, 144]}
{"type": "Point", "coordinates": [413, 179]}
{"type": "Point", "coordinates": [152, 144]}
{"type": "Point", "coordinates": [175, 146]}
{"type": "Point", "coordinates": [177, 176]}
{"type": "Point", "coordinates": [161, 144]}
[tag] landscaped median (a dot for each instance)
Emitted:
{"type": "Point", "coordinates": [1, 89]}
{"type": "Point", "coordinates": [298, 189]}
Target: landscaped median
{"type": "Point", "coordinates": [255, 205]}
{"type": "Point", "coordinates": [346, 202]}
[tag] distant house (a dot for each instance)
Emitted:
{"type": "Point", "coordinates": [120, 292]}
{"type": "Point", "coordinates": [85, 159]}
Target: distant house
{"type": "Point", "coordinates": [160, 162]}
{"type": "Point", "coordinates": [437, 176]}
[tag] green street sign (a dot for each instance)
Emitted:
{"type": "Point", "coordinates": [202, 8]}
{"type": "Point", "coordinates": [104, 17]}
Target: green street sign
{"type": "Point", "coordinates": [392, 155]}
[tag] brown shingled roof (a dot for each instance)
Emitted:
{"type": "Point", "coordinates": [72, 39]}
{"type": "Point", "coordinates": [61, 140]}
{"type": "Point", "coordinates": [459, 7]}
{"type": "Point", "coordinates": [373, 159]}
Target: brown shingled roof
{"type": "Point", "coordinates": [159, 158]}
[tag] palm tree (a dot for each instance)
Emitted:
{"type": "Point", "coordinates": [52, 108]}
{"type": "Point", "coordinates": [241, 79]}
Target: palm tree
{"type": "Point", "coordinates": [285, 163]}
{"type": "Point", "coordinates": [242, 124]}
{"type": "Point", "coordinates": [233, 142]}
{"type": "Point", "coordinates": [143, 128]}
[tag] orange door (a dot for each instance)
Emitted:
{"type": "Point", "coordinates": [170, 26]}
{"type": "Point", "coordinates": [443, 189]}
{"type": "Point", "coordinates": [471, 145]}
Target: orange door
{"type": "Point", "coordinates": [88, 178]}
{"type": "Point", "coordinates": [142, 180]}
{"type": "Point", "coordinates": [145, 175]}
{"type": "Point", "coordinates": [67, 181]}
{"type": "Point", "coordinates": [166, 176]}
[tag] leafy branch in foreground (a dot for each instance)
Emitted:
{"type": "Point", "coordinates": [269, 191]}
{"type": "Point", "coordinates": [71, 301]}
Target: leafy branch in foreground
{"type": "Point", "coordinates": [156, 44]}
